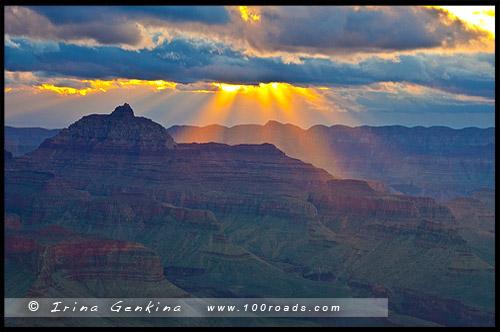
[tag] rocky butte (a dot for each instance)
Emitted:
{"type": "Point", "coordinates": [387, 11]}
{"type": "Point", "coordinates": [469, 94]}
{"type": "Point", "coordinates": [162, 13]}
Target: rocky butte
{"type": "Point", "coordinates": [215, 220]}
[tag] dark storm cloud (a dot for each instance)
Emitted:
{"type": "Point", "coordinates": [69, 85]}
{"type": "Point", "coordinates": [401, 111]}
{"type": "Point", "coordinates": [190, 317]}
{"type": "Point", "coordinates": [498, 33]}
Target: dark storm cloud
{"type": "Point", "coordinates": [20, 21]}
{"type": "Point", "coordinates": [337, 30]}
{"type": "Point", "coordinates": [83, 14]}
{"type": "Point", "coordinates": [106, 25]}
{"type": "Point", "coordinates": [327, 30]}
{"type": "Point", "coordinates": [187, 61]}
{"type": "Point", "coordinates": [169, 61]}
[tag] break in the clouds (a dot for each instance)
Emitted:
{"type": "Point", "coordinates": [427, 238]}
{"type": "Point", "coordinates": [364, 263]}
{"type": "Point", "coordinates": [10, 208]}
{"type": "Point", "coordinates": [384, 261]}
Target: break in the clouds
{"type": "Point", "coordinates": [376, 61]}
{"type": "Point", "coordinates": [186, 61]}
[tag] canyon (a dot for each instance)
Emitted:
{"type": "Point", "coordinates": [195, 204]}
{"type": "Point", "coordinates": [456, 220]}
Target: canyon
{"type": "Point", "coordinates": [116, 197]}
{"type": "Point", "coordinates": [437, 162]}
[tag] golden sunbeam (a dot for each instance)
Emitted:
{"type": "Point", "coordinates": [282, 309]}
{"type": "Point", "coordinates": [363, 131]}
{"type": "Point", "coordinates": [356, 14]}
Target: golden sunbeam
{"type": "Point", "coordinates": [216, 109]}
{"type": "Point", "coordinates": [226, 102]}
{"type": "Point", "coordinates": [269, 93]}
{"type": "Point", "coordinates": [228, 87]}
{"type": "Point", "coordinates": [275, 98]}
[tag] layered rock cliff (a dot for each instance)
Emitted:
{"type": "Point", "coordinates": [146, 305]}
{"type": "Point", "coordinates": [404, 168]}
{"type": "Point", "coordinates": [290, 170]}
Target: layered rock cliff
{"type": "Point", "coordinates": [439, 162]}
{"type": "Point", "coordinates": [244, 220]}
{"type": "Point", "coordinates": [70, 264]}
{"type": "Point", "coordinates": [476, 216]}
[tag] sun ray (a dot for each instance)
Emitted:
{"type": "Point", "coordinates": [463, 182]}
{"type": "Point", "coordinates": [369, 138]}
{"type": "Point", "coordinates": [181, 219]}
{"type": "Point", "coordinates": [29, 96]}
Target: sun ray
{"type": "Point", "coordinates": [239, 102]}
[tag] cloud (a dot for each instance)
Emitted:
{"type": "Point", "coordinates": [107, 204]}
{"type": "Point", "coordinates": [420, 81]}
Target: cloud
{"type": "Point", "coordinates": [278, 31]}
{"type": "Point", "coordinates": [21, 78]}
{"type": "Point", "coordinates": [333, 30]}
{"type": "Point", "coordinates": [81, 14]}
{"type": "Point", "coordinates": [8, 42]}
{"type": "Point", "coordinates": [404, 97]}
{"type": "Point", "coordinates": [22, 21]}
{"type": "Point", "coordinates": [410, 104]}
{"type": "Point", "coordinates": [389, 61]}
{"type": "Point", "coordinates": [114, 25]}
{"type": "Point", "coordinates": [189, 61]}
{"type": "Point", "coordinates": [374, 104]}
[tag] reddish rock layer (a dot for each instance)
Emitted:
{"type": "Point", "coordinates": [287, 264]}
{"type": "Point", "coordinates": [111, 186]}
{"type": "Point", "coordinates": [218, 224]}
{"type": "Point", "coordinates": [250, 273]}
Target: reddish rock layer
{"type": "Point", "coordinates": [55, 250]}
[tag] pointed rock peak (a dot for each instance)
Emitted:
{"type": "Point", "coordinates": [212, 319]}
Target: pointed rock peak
{"type": "Point", "coordinates": [117, 132]}
{"type": "Point", "coordinates": [123, 111]}
{"type": "Point", "coordinates": [273, 123]}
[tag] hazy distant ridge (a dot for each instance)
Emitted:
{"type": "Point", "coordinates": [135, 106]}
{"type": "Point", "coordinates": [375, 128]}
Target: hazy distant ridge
{"type": "Point", "coordinates": [432, 161]}
{"type": "Point", "coordinates": [19, 141]}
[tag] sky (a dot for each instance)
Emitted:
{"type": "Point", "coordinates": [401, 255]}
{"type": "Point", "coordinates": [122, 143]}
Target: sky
{"type": "Point", "coordinates": [229, 65]}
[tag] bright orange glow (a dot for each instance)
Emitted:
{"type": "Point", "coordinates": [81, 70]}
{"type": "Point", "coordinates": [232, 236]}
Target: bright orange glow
{"type": "Point", "coordinates": [100, 85]}
{"type": "Point", "coordinates": [64, 90]}
{"type": "Point", "coordinates": [489, 12]}
{"type": "Point", "coordinates": [158, 85]}
{"type": "Point", "coordinates": [247, 15]}
{"type": "Point", "coordinates": [268, 92]}
{"type": "Point", "coordinates": [232, 102]}
{"type": "Point", "coordinates": [482, 17]}
{"type": "Point", "coordinates": [274, 100]}
{"type": "Point", "coordinates": [104, 86]}
{"type": "Point", "coordinates": [265, 93]}
{"type": "Point", "coordinates": [229, 87]}
{"type": "Point", "coordinates": [203, 91]}
{"type": "Point", "coordinates": [7, 89]}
